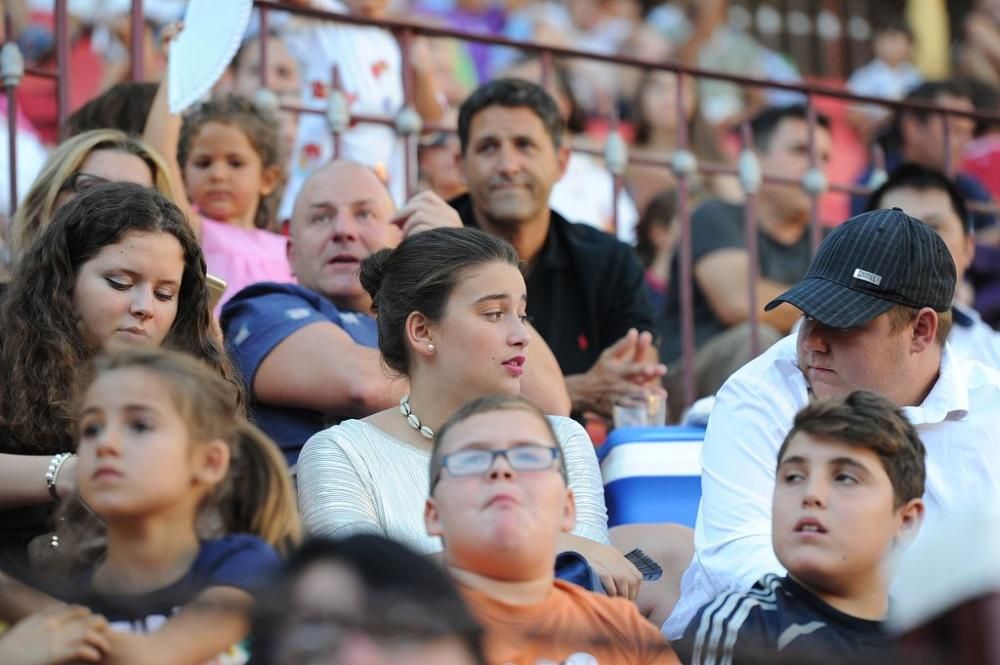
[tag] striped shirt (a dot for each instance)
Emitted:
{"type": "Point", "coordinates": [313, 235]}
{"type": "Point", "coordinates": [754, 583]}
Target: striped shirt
{"type": "Point", "coordinates": [780, 621]}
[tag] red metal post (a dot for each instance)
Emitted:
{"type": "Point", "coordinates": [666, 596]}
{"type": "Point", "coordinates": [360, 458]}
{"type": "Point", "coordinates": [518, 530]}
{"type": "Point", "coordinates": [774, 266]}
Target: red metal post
{"type": "Point", "coordinates": [137, 37]}
{"type": "Point", "coordinates": [12, 146]}
{"type": "Point", "coordinates": [686, 287]}
{"type": "Point", "coordinates": [11, 123]}
{"type": "Point", "coordinates": [814, 230]}
{"type": "Point", "coordinates": [409, 140]}
{"type": "Point", "coordinates": [546, 69]}
{"type": "Point", "coordinates": [949, 166]}
{"type": "Point", "coordinates": [616, 180]}
{"type": "Point", "coordinates": [264, 30]}
{"type": "Point", "coordinates": [62, 61]}
{"type": "Point", "coordinates": [753, 254]}
{"type": "Point", "coordinates": [338, 138]}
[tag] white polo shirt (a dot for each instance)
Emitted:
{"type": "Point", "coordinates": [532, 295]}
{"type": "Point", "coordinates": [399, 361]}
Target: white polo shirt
{"type": "Point", "coordinates": [971, 338]}
{"type": "Point", "coordinates": [959, 423]}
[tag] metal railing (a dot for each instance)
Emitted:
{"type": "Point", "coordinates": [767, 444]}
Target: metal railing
{"type": "Point", "coordinates": [407, 123]}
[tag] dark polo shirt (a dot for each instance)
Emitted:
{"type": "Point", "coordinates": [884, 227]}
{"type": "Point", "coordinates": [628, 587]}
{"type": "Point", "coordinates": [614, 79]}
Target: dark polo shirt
{"type": "Point", "coordinates": [585, 290]}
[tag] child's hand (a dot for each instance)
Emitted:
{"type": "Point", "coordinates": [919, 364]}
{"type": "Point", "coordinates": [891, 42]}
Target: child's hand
{"type": "Point", "coordinates": [59, 634]}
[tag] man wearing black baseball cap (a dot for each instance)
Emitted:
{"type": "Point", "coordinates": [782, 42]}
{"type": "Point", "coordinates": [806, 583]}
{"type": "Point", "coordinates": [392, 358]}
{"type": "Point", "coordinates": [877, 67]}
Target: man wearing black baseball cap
{"type": "Point", "coordinates": [876, 275]}
{"type": "Point", "coordinates": [877, 305]}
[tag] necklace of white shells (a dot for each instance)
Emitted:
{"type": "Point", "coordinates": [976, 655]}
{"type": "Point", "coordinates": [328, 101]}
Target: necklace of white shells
{"type": "Point", "coordinates": [413, 420]}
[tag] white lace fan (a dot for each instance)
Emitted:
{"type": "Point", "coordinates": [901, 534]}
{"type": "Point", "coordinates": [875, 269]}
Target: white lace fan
{"type": "Point", "coordinates": [212, 33]}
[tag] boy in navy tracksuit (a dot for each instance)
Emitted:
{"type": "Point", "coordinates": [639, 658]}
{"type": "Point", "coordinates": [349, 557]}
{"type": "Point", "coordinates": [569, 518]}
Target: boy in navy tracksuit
{"type": "Point", "coordinates": [848, 489]}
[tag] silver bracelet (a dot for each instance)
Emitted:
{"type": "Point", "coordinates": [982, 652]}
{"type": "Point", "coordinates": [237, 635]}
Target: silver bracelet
{"type": "Point", "coordinates": [52, 473]}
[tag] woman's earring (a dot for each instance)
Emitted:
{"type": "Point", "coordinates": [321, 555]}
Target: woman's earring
{"type": "Point", "coordinates": [430, 347]}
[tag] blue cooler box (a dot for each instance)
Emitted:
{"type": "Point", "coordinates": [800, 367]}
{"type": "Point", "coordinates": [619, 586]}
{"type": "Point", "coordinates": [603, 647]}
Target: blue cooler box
{"type": "Point", "coordinates": [652, 474]}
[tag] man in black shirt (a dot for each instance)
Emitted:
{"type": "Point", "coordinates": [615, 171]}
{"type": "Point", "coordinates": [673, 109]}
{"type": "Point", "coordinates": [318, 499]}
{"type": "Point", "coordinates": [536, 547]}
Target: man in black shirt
{"type": "Point", "coordinates": [585, 294]}
{"type": "Point", "coordinates": [721, 261]}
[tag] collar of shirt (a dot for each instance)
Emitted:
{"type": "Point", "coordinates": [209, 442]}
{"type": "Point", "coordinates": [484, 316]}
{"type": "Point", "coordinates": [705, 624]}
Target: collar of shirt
{"type": "Point", "coordinates": [555, 252]}
{"type": "Point", "coordinates": [947, 400]}
{"type": "Point", "coordinates": [949, 396]}
{"type": "Point", "coordinates": [963, 316]}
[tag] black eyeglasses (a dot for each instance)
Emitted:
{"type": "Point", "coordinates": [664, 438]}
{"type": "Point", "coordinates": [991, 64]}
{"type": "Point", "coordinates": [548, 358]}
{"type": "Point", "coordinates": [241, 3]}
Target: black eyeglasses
{"type": "Point", "coordinates": [81, 182]}
{"type": "Point", "coordinates": [477, 461]}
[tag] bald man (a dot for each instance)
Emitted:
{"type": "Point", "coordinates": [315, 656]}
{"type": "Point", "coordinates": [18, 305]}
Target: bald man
{"type": "Point", "coordinates": [308, 352]}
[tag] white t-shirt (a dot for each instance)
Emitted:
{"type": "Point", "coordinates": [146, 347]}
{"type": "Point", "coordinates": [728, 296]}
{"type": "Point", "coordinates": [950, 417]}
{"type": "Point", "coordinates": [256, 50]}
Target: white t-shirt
{"type": "Point", "coordinates": [959, 423]}
{"type": "Point", "coordinates": [974, 339]}
{"type": "Point", "coordinates": [584, 195]}
{"type": "Point", "coordinates": [878, 79]}
{"type": "Point", "coordinates": [370, 66]}
{"type": "Point", "coordinates": [31, 157]}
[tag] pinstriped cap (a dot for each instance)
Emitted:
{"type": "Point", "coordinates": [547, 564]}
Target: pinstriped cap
{"type": "Point", "coordinates": [871, 263]}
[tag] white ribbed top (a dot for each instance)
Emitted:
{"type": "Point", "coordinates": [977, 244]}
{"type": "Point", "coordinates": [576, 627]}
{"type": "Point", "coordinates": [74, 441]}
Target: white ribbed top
{"type": "Point", "coordinates": [355, 478]}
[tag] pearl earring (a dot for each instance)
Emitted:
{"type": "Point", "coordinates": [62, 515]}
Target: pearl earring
{"type": "Point", "coordinates": [430, 347]}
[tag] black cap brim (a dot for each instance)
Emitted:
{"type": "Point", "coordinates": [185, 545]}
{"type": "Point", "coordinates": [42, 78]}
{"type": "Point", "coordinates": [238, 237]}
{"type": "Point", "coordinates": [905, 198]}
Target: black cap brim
{"type": "Point", "coordinates": [832, 304]}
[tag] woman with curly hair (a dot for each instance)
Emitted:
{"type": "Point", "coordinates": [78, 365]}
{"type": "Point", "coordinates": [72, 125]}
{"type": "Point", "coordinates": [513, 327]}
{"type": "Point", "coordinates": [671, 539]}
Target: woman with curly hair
{"type": "Point", "coordinates": [118, 266]}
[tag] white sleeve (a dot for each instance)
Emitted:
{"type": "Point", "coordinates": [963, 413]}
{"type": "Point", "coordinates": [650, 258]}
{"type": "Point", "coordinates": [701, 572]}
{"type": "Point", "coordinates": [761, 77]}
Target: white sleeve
{"type": "Point", "coordinates": [628, 218]}
{"type": "Point", "coordinates": [334, 499]}
{"type": "Point", "coordinates": [733, 530]}
{"type": "Point", "coordinates": [585, 480]}
{"type": "Point", "coordinates": [732, 534]}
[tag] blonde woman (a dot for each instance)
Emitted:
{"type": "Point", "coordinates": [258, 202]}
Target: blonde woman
{"type": "Point", "coordinates": [100, 155]}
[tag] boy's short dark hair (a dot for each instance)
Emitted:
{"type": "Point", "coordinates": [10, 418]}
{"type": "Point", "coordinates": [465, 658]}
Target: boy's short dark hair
{"type": "Point", "coordinates": [864, 419]}
{"type": "Point", "coordinates": [488, 404]}
{"type": "Point", "coordinates": [764, 124]}
{"type": "Point", "coordinates": [916, 176]}
{"type": "Point", "coordinates": [511, 93]}
{"type": "Point", "coordinates": [928, 92]}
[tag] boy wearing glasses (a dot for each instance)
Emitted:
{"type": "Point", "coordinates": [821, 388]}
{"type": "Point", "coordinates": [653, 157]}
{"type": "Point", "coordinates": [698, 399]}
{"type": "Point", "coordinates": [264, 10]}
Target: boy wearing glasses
{"type": "Point", "coordinates": [499, 501]}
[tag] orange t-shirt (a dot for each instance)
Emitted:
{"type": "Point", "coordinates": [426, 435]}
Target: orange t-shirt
{"type": "Point", "coordinates": [572, 622]}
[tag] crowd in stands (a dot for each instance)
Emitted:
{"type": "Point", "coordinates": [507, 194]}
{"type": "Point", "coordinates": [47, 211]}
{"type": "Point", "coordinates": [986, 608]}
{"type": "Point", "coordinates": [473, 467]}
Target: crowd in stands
{"type": "Point", "coordinates": [263, 402]}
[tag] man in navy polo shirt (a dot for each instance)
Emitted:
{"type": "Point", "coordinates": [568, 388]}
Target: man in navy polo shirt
{"type": "Point", "coordinates": [308, 352]}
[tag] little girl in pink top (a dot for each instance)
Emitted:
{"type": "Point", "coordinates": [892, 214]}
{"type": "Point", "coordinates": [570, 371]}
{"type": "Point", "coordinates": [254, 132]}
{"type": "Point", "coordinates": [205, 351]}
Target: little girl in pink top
{"type": "Point", "coordinates": [229, 156]}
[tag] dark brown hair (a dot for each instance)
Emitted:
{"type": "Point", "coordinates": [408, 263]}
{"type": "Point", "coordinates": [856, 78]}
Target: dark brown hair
{"type": "Point", "coordinates": [262, 131]}
{"type": "Point", "coordinates": [256, 496]}
{"type": "Point", "coordinates": [123, 106]}
{"type": "Point", "coordinates": [419, 276]}
{"type": "Point", "coordinates": [701, 137]}
{"type": "Point", "coordinates": [44, 343]}
{"type": "Point", "coordinates": [511, 93]}
{"type": "Point", "coordinates": [660, 212]}
{"type": "Point", "coordinates": [867, 420]}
